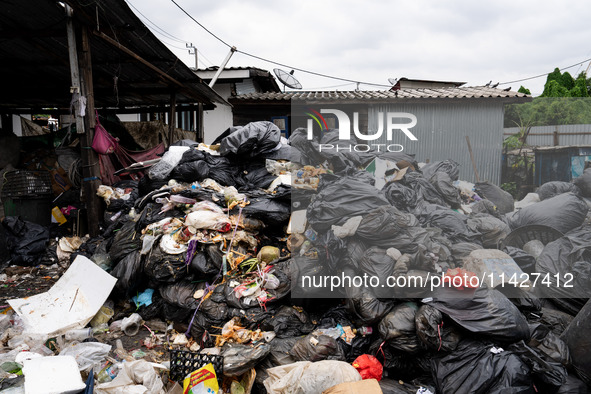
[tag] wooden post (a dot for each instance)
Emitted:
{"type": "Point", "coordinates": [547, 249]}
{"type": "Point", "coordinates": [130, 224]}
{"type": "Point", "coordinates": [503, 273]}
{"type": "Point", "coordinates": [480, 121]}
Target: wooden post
{"type": "Point", "coordinates": [556, 141]}
{"type": "Point", "coordinates": [172, 118]}
{"type": "Point", "coordinates": [200, 135]}
{"type": "Point", "coordinates": [90, 170]}
{"type": "Point", "coordinates": [472, 158]}
{"type": "Point", "coordinates": [74, 70]}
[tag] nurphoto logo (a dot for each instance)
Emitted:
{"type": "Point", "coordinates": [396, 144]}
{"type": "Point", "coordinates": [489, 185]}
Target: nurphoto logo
{"type": "Point", "coordinates": [344, 128]}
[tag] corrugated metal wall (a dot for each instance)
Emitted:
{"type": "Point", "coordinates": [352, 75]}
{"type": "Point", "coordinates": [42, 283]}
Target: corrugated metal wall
{"type": "Point", "coordinates": [441, 129]}
{"type": "Point", "coordinates": [563, 140]}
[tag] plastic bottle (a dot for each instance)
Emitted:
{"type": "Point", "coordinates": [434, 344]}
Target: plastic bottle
{"type": "Point", "coordinates": [363, 331]}
{"type": "Point", "coordinates": [79, 335]}
{"type": "Point", "coordinates": [108, 373]}
{"type": "Point", "coordinates": [121, 353]}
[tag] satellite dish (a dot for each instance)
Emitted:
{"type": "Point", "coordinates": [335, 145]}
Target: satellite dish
{"type": "Point", "coordinates": [392, 81]}
{"type": "Point", "coordinates": [287, 79]}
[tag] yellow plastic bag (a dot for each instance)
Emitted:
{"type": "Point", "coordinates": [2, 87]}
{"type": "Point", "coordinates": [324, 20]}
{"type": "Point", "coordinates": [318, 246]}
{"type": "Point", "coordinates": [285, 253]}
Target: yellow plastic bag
{"type": "Point", "coordinates": [201, 381]}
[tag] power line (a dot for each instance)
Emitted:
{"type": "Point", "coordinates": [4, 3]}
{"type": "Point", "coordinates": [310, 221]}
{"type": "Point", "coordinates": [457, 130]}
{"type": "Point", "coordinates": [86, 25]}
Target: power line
{"type": "Point", "coordinates": [272, 61]}
{"type": "Point", "coordinates": [164, 32]}
{"type": "Point", "coordinates": [203, 27]}
{"type": "Point", "coordinates": [543, 75]}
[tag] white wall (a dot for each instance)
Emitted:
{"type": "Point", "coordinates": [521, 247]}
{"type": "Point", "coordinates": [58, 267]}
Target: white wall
{"type": "Point", "coordinates": [219, 119]}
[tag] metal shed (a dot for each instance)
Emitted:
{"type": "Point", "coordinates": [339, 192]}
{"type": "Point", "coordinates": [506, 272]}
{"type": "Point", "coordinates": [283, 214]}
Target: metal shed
{"type": "Point", "coordinates": [445, 116]}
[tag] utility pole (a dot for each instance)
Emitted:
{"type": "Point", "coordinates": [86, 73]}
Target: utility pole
{"type": "Point", "coordinates": [192, 48]}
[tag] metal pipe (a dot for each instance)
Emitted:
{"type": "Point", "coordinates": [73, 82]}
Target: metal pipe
{"type": "Point", "coordinates": [221, 68]}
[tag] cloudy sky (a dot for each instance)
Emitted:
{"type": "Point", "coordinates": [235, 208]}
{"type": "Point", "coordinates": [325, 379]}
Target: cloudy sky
{"type": "Point", "coordinates": [371, 41]}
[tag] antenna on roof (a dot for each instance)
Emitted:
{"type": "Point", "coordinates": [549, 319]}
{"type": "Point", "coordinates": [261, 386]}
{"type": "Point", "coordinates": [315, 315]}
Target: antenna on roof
{"type": "Point", "coordinates": [287, 79]}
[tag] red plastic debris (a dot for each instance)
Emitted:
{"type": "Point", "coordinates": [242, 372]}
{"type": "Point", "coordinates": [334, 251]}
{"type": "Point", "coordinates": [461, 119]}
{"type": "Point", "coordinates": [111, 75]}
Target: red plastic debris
{"type": "Point", "coordinates": [368, 367]}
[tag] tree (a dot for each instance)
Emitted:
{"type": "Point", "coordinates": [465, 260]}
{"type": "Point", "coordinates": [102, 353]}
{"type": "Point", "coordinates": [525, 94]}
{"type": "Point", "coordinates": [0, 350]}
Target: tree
{"type": "Point", "coordinates": [562, 102]}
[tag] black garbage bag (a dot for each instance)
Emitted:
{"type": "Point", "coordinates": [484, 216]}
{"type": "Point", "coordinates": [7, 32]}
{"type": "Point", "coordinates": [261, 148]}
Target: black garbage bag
{"type": "Point", "coordinates": [547, 374]}
{"type": "Point", "coordinates": [578, 341]}
{"type": "Point", "coordinates": [565, 269]}
{"type": "Point", "coordinates": [363, 305]}
{"type": "Point", "coordinates": [291, 321]}
{"type": "Point", "coordinates": [173, 312]}
{"type": "Point", "coordinates": [257, 177]}
{"type": "Point", "coordinates": [203, 266]}
{"type": "Point", "coordinates": [461, 250]}
{"type": "Point", "coordinates": [485, 312]}
{"type": "Point", "coordinates": [402, 197]}
{"type": "Point", "coordinates": [151, 214]}
{"type": "Point", "coordinates": [26, 241]}
{"type": "Point", "coordinates": [121, 204]}
{"type": "Point", "coordinates": [126, 240]}
{"type": "Point", "coordinates": [398, 328]}
{"type": "Point", "coordinates": [317, 348]}
{"type": "Point", "coordinates": [502, 199]}
{"type": "Point", "coordinates": [449, 167]}
{"type": "Point", "coordinates": [435, 331]}
{"type": "Point", "coordinates": [573, 385]}
{"type": "Point", "coordinates": [474, 368]}
{"type": "Point", "coordinates": [524, 260]}
{"type": "Point", "coordinates": [181, 293]}
{"type": "Point", "coordinates": [163, 268]}
{"type": "Point", "coordinates": [335, 316]}
{"type": "Point", "coordinates": [486, 206]}
{"type": "Point", "coordinates": [129, 273]}
{"type": "Point", "coordinates": [196, 165]}
{"type": "Point", "coordinates": [554, 188]}
{"type": "Point", "coordinates": [304, 151]}
{"type": "Point", "coordinates": [525, 301]}
{"type": "Point", "coordinates": [557, 321]}
{"type": "Point", "coordinates": [340, 199]}
{"type": "Point", "coordinates": [444, 185]}
{"type": "Point", "coordinates": [271, 210]}
{"type": "Point", "coordinates": [392, 386]}
{"type": "Point", "coordinates": [251, 140]}
{"type": "Point", "coordinates": [400, 365]}
{"type": "Point", "coordinates": [366, 308]}
{"type": "Point", "coordinates": [491, 229]}
{"type": "Point", "coordinates": [239, 359]}
{"type": "Point", "coordinates": [147, 185]}
{"type": "Point", "coordinates": [210, 314]}
{"type": "Point", "coordinates": [453, 224]}
{"type": "Point", "coordinates": [550, 343]}
{"type": "Point", "coordinates": [425, 191]}
{"type": "Point", "coordinates": [375, 262]}
{"type": "Point", "coordinates": [563, 212]}
{"type": "Point", "coordinates": [583, 182]}
{"type": "Point", "coordinates": [340, 152]}
{"type": "Point", "coordinates": [387, 227]}
{"type": "Point", "coordinates": [280, 354]}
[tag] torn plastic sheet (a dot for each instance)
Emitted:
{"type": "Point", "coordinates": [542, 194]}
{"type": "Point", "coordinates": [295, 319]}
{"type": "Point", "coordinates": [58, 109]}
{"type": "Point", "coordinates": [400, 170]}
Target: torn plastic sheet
{"type": "Point", "coordinates": [70, 304]}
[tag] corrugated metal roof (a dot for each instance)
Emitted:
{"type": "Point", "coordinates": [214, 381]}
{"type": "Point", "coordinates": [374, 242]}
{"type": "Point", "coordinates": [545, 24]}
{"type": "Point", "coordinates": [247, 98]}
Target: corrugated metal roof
{"type": "Point", "coordinates": [34, 65]}
{"type": "Point", "coordinates": [467, 92]}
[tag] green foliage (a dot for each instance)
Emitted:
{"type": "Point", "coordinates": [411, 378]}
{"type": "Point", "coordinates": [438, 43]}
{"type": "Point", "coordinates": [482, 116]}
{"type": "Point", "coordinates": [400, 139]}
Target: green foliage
{"type": "Point", "coordinates": [567, 81]}
{"type": "Point", "coordinates": [510, 187]}
{"type": "Point", "coordinates": [524, 90]}
{"type": "Point", "coordinates": [561, 103]}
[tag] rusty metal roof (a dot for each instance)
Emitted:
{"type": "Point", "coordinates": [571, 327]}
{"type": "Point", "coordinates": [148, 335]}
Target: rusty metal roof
{"type": "Point", "coordinates": [34, 62]}
{"type": "Point", "coordinates": [475, 92]}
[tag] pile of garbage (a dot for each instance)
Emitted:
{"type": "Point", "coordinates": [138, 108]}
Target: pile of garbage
{"type": "Point", "coordinates": [236, 248]}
